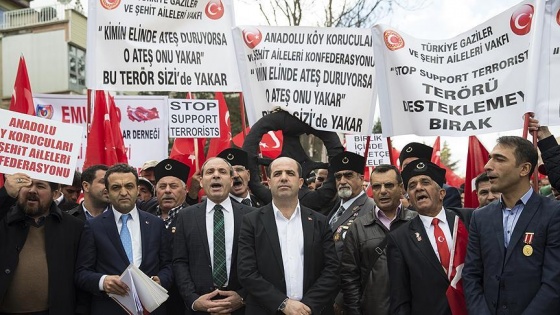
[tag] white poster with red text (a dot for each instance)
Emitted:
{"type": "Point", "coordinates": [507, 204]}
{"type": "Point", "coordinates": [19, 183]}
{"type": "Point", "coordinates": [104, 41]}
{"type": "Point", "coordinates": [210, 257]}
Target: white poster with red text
{"type": "Point", "coordinates": [143, 123]}
{"type": "Point", "coordinates": [164, 45]}
{"type": "Point", "coordinates": [41, 148]}
{"type": "Point", "coordinates": [323, 76]}
{"type": "Point", "coordinates": [471, 84]}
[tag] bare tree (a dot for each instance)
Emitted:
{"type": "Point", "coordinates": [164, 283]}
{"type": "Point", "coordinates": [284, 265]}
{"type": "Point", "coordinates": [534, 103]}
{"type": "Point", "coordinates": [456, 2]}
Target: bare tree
{"type": "Point", "coordinates": [337, 13]}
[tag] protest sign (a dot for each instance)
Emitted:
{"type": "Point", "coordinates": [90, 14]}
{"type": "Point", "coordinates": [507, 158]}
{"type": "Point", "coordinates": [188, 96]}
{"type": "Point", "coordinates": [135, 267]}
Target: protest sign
{"type": "Point", "coordinates": [143, 123]}
{"type": "Point", "coordinates": [166, 45]}
{"type": "Point", "coordinates": [194, 118]}
{"type": "Point", "coordinates": [323, 76]}
{"type": "Point", "coordinates": [471, 84]}
{"type": "Point", "coordinates": [43, 149]}
{"type": "Point", "coordinates": [546, 94]}
{"type": "Point", "coordinates": [378, 152]}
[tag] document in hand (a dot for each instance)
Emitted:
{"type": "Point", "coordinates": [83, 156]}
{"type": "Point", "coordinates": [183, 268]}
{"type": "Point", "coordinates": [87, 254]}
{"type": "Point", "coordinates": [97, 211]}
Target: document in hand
{"type": "Point", "coordinates": [144, 294]}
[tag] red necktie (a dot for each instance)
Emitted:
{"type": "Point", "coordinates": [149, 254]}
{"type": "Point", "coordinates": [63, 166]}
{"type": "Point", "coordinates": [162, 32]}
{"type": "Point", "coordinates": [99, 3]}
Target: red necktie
{"type": "Point", "coordinates": [441, 243]}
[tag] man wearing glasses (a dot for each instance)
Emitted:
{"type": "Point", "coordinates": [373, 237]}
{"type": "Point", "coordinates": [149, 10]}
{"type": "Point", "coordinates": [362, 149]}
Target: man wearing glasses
{"type": "Point", "coordinates": [240, 188]}
{"type": "Point", "coordinates": [363, 269]}
{"type": "Point", "coordinates": [348, 169]}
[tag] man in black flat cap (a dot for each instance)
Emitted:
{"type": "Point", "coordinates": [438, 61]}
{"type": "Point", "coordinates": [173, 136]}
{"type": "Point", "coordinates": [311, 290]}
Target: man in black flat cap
{"type": "Point", "coordinates": [239, 192]}
{"type": "Point", "coordinates": [348, 169]}
{"type": "Point", "coordinates": [419, 252]}
{"type": "Point", "coordinates": [415, 150]}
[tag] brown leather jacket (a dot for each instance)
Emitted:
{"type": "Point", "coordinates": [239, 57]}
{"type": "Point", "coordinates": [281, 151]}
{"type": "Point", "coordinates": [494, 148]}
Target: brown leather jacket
{"type": "Point", "coordinates": [360, 244]}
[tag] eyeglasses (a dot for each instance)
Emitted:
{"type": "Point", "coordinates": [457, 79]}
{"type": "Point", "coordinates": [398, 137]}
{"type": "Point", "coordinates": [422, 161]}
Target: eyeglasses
{"type": "Point", "coordinates": [388, 186]}
{"type": "Point", "coordinates": [320, 179]}
{"type": "Point", "coordinates": [347, 175]}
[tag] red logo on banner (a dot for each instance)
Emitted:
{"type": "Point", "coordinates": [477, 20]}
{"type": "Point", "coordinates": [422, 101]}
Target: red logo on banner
{"type": "Point", "coordinates": [252, 37]}
{"type": "Point", "coordinates": [520, 21]}
{"type": "Point", "coordinates": [214, 9]}
{"type": "Point", "coordinates": [110, 4]}
{"type": "Point", "coordinates": [141, 114]}
{"type": "Point", "coordinates": [45, 111]}
{"type": "Point", "coordinates": [393, 40]}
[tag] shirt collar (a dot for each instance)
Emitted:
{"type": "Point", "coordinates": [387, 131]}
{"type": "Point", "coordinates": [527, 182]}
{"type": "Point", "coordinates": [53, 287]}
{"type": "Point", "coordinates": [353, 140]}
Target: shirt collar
{"type": "Point", "coordinates": [239, 199]}
{"type": "Point", "coordinates": [524, 199]}
{"type": "Point", "coordinates": [379, 211]}
{"type": "Point", "coordinates": [349, 202]}
{"type": "Point", "coordinates": [427, 221]}
{"type": "Point", "coordinates": [226, 205]}
{"type": "Point", "coordinates": [133, 214]}
{"type": "Point", "coordinates": [279, 214]}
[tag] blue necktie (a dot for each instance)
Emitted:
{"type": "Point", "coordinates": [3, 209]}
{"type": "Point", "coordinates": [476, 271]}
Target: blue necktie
{"type": "Point", "coordinates": [126, 240]}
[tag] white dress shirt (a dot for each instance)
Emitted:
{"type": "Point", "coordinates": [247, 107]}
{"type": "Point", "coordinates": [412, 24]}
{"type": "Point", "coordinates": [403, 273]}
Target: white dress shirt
{"type": "Point", "coordinates": [133, 225]}
{"type": "Point", "coordinates": [444, 226]}
{"type": "Point", "coordinates": [290, 234]}
{"type": "Point", "coordinates": [228, 229]}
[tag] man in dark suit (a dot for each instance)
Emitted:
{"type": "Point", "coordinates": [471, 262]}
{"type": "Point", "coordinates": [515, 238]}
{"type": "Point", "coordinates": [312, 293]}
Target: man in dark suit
{"type": "Point", "coordinates": [239, 160]}
{"type": "Point", "coordinates": [514, 244]}
{"type": "Point", "coordinates": [95, 195]}
{"type": "Point", "coordinates": [287, 259]}
{"type": "Point", "coordinates": [118, 237]}
{"type": "Point", "coordinates": [418, 253]}
{"type": "Point", "coordinates": [348, 168]}
{"type": "Point", "coordinates": [205, 246]}
{"type": "Point", "coordinates": [415, 150]}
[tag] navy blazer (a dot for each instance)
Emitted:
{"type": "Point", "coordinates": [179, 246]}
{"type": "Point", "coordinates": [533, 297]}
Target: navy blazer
{"type": "Point", "coordinates": [261, 270]}
{"type": "Point", "coordinates": [101, 253]}
{"type": "Point", "coordinates": [191, 254]}
{"type": "Point", "coordinates": [497, 280]}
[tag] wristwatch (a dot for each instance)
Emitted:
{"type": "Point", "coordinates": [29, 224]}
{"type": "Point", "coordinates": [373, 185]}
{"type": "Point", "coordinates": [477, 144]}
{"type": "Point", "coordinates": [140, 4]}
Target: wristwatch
{"type": "Point", "coordinates": [282, 306]}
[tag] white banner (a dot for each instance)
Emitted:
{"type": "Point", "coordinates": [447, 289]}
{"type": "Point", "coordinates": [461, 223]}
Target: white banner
{"type": "Point", "coordinates": [194, 118]}
{"type": "Point", "coordinates": [164, 45]}
{"type": "Point", "coordinates": [378, 152]}
{"type": "Point", "coordinates": [323, 76]}
{"type": "Point", "coordinates": [470, 84]}
{"type": "Point", "coordinates": [41, 148]}
{"type": "Point", "coordinates": [547, 102]}
{"type": "Point", "coordinates": [143, 123]}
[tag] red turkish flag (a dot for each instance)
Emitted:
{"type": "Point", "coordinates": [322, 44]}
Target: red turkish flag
{"type": "Point", "coordinates": [190, 151]}
{"type": "Point", "coordinates": [455, 294]}
{"type": "Point", "coordinates": [436, 153]}
{"type": "Point", "coordinates": [217, 145]}
{"type": "Point", "coordinates": [101, 147]}
{"type": "Point", "coordinates": [270, 144]}
{"type": "Point", "coordinates": [477, 157]}
{"type": "Point", "coordinates": [395, 156]}
{"type": "Point", "coordinates": [115, 117]}
{"type": "Point", "coordinates": [22, 98]}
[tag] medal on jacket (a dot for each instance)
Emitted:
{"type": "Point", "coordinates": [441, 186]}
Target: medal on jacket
{"type": "Point", "coordinates": [528, 240]}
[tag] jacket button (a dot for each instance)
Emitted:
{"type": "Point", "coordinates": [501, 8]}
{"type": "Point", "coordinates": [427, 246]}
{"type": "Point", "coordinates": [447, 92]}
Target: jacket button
{"type": "Point", "coordinates": [7, 271]}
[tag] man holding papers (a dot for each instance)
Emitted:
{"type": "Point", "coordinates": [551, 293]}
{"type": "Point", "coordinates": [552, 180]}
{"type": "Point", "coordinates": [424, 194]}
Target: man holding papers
{"type": "Point", "coordinates": [205, 246]}
{"type": "Point", "coordinates": [117, 238]}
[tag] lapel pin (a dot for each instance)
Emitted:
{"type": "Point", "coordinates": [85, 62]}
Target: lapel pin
{"type": "Point", "coordinates": [309, 218]}
{"type": "Point", "coordinates": [418, 237]}
{"type": "Point", "coordinates": [173, 229]}
{"type": "Point", "coordinates": [147, 222]}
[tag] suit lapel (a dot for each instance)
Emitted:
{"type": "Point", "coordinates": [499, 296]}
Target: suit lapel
{"type": "Point", "coordinates": [307, 223]}
{"type": "Point", "coordinates": [200, 219]}
{"type": "Point", "coordinates": [420, 238]}
{"type": "Point", "coordinates": [113, 233]}
{"type": "Point", "coordinates": [237, 220]}
{"type": "Point", "coordinates": [144, 234]}
{"type": "Point", "coordinates": [350, 211]}
{"type": "Point", "coordinates": [269, 224]}
{"type": "Point", "coordinates": [524, 218]}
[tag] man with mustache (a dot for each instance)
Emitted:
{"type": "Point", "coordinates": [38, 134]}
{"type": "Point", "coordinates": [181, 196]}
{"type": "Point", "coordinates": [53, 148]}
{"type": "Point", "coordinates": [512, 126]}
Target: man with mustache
{"type": "Point", "coordinates": [205, 246]}
{"type": "Point", "coordinates": [239, 192]}
{"type": "Point", "coordinates": [38, 249]}
{"type": "Point", "coordinates": [121, 236]}
{"type": "Point", "coordinates": [419, 252]}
